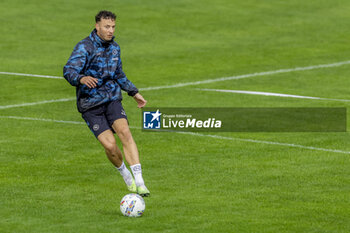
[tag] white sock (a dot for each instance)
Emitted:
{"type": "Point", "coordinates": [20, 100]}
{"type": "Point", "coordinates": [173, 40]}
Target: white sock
{"type": "Point", "coordinates": [125, 174]}
{"type": "Point", "coordinates": [137, 171]}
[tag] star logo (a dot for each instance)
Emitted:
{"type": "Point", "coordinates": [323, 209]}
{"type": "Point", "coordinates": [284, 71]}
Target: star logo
{"type": "Point", "coordinates": [156, 115]}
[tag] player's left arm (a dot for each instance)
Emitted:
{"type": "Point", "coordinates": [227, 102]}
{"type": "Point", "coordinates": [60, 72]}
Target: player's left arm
{"type": "Point", "coordinates": [123, 81]}
{"type": "Point", "coordinates": [141, 102]}
{"type": "Point", "coordinates": [128, 86]}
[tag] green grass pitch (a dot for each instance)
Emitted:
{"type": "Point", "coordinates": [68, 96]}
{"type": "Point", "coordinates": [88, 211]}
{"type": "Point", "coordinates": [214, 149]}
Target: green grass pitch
{"type": "Point", "coordinates": [55, 177]}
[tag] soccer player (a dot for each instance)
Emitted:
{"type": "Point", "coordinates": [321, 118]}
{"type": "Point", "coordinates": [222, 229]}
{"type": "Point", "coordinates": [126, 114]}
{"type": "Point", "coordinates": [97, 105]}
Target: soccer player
{"type": "Point", "coordinates": [95, 69]}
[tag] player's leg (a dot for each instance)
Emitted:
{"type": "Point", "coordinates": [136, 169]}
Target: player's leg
{"type": "Point", "coordinates": [98, 124]}
{"type": "Point", "coordinates": [118, 121]}
{"type": "Point", "coordinates": [131, 153]}
{"type": "Point", "coordinates": [113, 152]}
{"type": "Point", "coordinates": [114, 155]}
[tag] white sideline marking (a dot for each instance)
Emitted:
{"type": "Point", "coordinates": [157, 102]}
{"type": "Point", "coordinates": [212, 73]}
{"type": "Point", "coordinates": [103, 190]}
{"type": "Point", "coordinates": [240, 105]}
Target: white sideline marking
{"type": "Point", "coordinates": [249, 75]}
{"type": "Point", "coordinates": [42, 119]}
{"type": "Point", "coordinates": [197, 134]}
{"type": "Point", "coordinates": [35, 103]}
{"type": "Point", "coordinates": [212, 80]}
{"type": "Point", "coordinates": [31, 75]}
{"type": "Point", "coordinates": [51, 120]}
{"type": "Point", "coordinates": [273, 94]}
{"type": "Point", "coordinates": [268, 142]}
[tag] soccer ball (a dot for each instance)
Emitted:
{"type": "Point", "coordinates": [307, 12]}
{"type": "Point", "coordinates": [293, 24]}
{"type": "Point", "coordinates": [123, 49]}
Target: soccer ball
{"type": "Point", "coordinates": [132, 205]}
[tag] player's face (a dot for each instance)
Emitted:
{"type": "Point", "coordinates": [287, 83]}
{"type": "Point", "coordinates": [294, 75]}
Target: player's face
{"type": "Point", "coordinates": [105, 29]}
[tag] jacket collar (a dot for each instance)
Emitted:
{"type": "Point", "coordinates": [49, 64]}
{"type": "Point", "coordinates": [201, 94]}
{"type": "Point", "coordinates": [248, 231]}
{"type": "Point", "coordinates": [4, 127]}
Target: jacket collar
{"type": "Point", "coordinates": [97, 40]}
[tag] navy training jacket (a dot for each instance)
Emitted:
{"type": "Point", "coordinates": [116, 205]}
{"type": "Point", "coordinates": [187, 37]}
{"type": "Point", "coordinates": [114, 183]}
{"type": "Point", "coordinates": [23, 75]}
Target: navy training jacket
{"type": "Point", "coordinates": [100, 59]}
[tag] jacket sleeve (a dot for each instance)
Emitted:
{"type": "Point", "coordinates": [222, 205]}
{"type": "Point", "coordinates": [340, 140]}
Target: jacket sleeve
{"type": "Point", "coordinates": [124, 82]}
{"type": "Point", "coordinates": [72, 71]}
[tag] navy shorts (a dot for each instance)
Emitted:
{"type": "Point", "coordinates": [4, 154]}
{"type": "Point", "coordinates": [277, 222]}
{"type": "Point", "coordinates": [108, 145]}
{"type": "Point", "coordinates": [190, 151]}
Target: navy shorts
{"type": "Point", "coordinates": [101, 118]}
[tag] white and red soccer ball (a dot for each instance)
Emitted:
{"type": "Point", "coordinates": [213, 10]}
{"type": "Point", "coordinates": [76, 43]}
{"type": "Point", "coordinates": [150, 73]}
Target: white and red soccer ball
{"type": "Point", "coordinates": [132, 205]}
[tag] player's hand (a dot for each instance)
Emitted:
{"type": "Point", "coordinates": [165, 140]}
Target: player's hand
{"type": "Point", "coordinates": [141, 102]}
{"type": "Point", "coordinates": [89, 81]}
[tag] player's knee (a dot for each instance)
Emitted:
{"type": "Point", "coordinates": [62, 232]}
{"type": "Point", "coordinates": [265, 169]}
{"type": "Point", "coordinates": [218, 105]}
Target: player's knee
{"type": "Point", "coordinates": [111, 147]}
{"type": "Point", "coordinates": [124, 134]}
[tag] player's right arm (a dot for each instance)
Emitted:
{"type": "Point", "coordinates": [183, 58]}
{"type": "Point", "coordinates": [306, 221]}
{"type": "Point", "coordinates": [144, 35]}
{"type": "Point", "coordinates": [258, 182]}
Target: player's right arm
{"type": "Point", "coordinates": [89, 81]}
{"type": "Point", "coordinates": [73, 70]}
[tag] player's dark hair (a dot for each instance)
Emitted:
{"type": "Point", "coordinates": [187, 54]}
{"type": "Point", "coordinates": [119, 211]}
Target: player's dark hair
{"type": "Point", "coordinates": [105, 15]}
